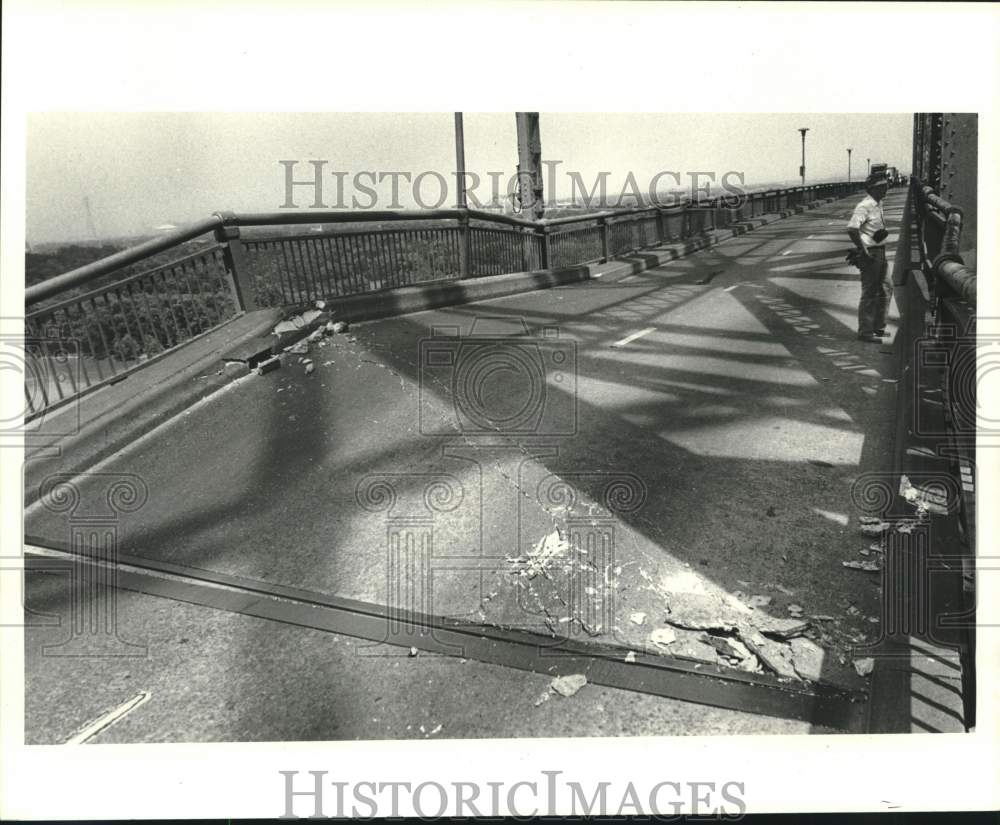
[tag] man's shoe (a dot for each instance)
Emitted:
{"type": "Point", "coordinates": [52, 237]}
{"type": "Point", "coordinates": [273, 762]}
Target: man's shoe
{"type": "Point", "coordinates": [881, 333]}
{"type": "Point", "coordinates": [870, 338]}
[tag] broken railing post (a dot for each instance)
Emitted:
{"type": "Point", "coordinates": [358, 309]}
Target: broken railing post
{"type": "Point", "coordinates": [605, 240]}
{"type": "Point", "coordinates": [234, 257]}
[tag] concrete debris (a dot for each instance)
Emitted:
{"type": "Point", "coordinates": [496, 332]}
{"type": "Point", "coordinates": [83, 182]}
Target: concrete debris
{"type": "Point", "coordinates": [876, 548]}
{"type": "Point", "coordinates": [340, 327]}
{"type": "Point", "coordinates": [728, 647]}
{"type": "Point", "coordinates": [864, 666]}
{"type": "Point", "coordinates": [773, 655]}
{"type": "Point", "coordinates": [296, 322]}
{"type": "Point", "coordinates": [320, 305]}
{"type": "Point", "coordinates": [695, 611]}
{"type": "Point", "coordinates": [742, 583]}
{"type": "Point", "coordinates": [301, 348]}
{"type": "Point", "coordinates": [637, 618]}
{"type": "Point", "coordinates": [630, 657]}
{"type": "Point", "coordinates": [568, 685]}
{"type": "Point", "coordinates": [760, 601]}
{"type": "Point", "coordinates": [781, 628]}
{"type": "Point", "coordinates": [807, 659]}
{"type": "Point", "coordinates": [267, 366]}
{"type": "Point", "coordinates": [550, 548]}
{"type": "Point", "coordinates": [413, 652]}
{"type": "Point", "coordinates": [784, 590]}
{"type": "Point", "coordinates": [853, 611]}
{"type": "Point", "coordinates": [310, 368]}
{"type": "Point", "coordinates": [923, 499]}
{"type": "Point", "coordinates": [867, 566]}
{"type": "Point", "coordinates": [876, 528]}
{"type": "Point", "coordinates": [544, 697]}
{"type": "Point", "coordinates": [663, 636]}
{"type": "Point", "coordinates": [795, 610]}
{"type": "Point", "coordinates": [315, 336]}
{"type": "Point", "coordinates": [436, 730]}
{"type": "Point", "coordinates": [822, 618]}
{"type": "Point", "coordinates": [905, 526]}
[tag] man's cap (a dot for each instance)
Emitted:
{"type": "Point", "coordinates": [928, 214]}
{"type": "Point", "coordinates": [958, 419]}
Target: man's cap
{"type": "Point", "coordinates": [875, 180]}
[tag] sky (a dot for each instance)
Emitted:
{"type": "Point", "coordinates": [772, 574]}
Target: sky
{"type": "Point", "coordinates": [145, 169]}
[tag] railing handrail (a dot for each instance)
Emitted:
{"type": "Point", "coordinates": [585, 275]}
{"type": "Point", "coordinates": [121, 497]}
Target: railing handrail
{"type": "Point", "coordinates": [947, 263]}
{"type": "Point", "coordinates": [221, 221]}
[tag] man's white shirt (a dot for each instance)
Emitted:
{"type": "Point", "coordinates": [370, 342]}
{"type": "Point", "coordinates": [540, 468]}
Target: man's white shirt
{"type": "Point", "coordinates": [867, 219]}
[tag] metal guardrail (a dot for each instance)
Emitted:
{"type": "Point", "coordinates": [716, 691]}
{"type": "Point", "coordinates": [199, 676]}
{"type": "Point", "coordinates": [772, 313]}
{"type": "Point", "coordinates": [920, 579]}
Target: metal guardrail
{"type": "Point", "coordinates": [939, 227]}
{"type": "Point", "coordinates": [93, 325]}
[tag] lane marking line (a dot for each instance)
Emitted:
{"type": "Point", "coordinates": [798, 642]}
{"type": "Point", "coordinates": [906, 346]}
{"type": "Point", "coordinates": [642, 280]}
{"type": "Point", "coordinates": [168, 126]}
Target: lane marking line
{"type": "Point", "coordinates": [106, 720]}
{"type": "Point", "coordinates": [629, 339]}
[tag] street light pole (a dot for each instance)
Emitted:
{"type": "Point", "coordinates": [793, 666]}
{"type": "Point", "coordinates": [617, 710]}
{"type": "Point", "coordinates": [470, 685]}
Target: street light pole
{"type": "Point", "coordinates": [802, 168]}
{"type": "Point", "coordinates": [849, 165]}
{"type": "Point", "coordinates": [460, 159]}
{"type": "Point", "coordinates": [869, 166]}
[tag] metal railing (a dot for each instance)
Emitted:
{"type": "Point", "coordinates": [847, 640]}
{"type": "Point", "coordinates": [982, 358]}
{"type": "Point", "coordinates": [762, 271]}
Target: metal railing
{"type": "Point", "coordinates": [939, 231]}
{"type": "Point", "coordinates": [97, 323]}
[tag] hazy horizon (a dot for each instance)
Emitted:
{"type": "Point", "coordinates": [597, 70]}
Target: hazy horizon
{"type": "Point", "coordinates": [142, 170]}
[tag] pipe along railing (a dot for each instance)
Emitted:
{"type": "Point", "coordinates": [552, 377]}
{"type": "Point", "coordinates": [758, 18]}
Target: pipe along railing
{"type": "Point", "coordinates": [93, 325]}
{"type": "Point", "coordinates": [939, 225]}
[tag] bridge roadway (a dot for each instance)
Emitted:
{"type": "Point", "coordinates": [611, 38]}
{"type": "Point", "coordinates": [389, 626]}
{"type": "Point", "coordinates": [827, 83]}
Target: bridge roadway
{"type": "Point", "coordinates": [723, 400]}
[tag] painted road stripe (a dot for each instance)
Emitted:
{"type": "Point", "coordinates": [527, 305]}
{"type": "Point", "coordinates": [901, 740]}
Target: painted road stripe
{"type": "Point", "coordinates": [106, 720]}
{"type": "Point", "coordinates": [629, 339]}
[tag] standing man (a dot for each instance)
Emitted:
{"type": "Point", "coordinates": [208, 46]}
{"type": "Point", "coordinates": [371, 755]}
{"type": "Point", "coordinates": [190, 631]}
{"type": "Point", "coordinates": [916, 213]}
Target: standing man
{"type": "Point", "coordinates": [868, 232]}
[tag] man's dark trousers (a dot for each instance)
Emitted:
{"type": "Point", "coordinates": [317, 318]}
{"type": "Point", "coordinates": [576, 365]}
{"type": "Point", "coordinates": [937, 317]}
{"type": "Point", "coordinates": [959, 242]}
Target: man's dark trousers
{"type": "Point", "coordinates": [876, 290]}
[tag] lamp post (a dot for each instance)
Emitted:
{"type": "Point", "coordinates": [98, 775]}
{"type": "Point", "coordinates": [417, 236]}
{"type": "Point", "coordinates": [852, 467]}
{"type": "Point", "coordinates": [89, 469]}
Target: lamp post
{"type": "Point", "coordinates": [869, 166]}
{"type": "Point", "coordinates": [460, 159]}
{"type": "Point", "coordinates": [802, 168]}
{"type": "Point", "coordinates": [848, 165]}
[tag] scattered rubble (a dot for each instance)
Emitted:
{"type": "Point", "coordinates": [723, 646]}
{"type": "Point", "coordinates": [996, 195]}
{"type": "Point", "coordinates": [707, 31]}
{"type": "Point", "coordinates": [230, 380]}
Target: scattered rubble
{"type": "Point", "coordinates": [807, 659]}
{"type": "Point", "coordinates": [663, 637]}
{"type": "Point", "coordinates": [875, 527]}
{"type": "Point", "coordinates": [269, 365]}
{"type": "Point", "coordinates": [568, 685]}
{"type": "Point", "coordinates": [630, 657]}
{"type": "Point", "coordinates": [867, 566]}
{"type": "Point", "coordinates": [864, 666]}
{"type": "Point", "coordinates": [637, 618]}
{"type": "Point", "coordinates": [310, 367]}
{"type": "Point", "coordinates": [759, 601]}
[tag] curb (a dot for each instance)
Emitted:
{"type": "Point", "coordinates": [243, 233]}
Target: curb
{"type": "Point", "coordinates": [107, 435]}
